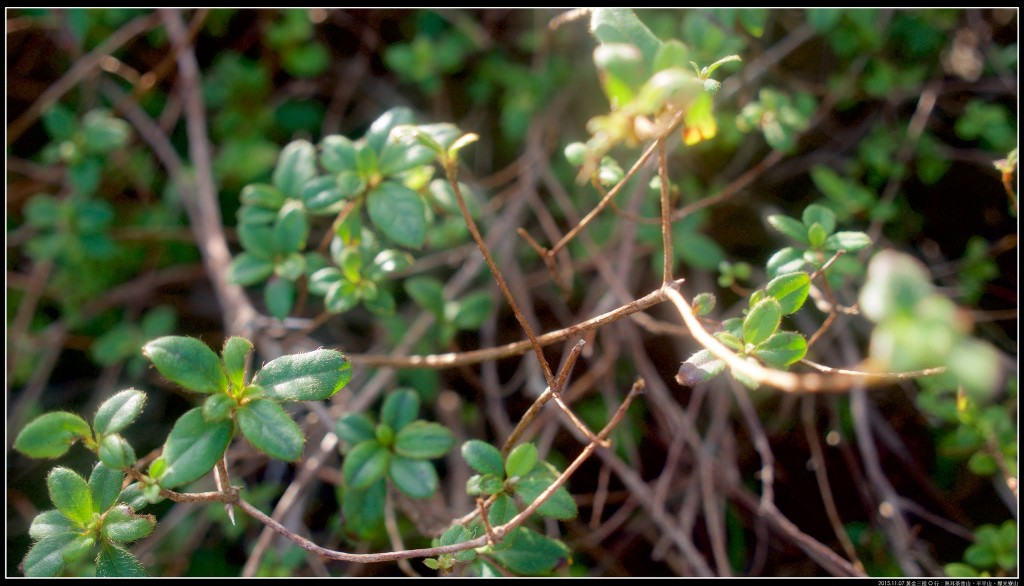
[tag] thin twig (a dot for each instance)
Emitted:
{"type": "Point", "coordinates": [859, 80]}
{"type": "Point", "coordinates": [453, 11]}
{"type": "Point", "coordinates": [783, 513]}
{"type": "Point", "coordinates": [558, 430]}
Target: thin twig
{"type": "Point", "coordinates": [668, 253]}
{"type": "Point", "coordinates": [394, 535]}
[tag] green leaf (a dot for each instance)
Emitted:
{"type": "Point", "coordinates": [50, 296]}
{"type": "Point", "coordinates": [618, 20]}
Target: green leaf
{"type": "Point", "coordinates": [46, 557]}
{"type": "Point", "coordinates": [782, 349]}
{"type": "Point", "coordinates": [976, 365]}
{"type": "Point", "coordinates": [193, 448]}
{"type": "Point", "coordinates": [460, 143]}
{"type": "Point", "coordinates": [428, 293]}
{"type": "Point", "coordinates": [363, 510]}
{"type": "Point", "coordinates": [121, 525]}
{"type": "Point", "coordinates": [416, 478]}
{"type": "Point", "coordinates": [236, 350]}
{"type": "Point", "coordinates": [520, 461]}
{"type": "Point", "coordinates": [270, 429]}
{"type": "Point", "coordinates": [103, 133]}
{"type": "Point", "coordinates": [848, 241]}
{"type": "Point", "coordinates": [51, 434]}
{"type": "Point", "coordinates": [380, 130]}
{"type": "Point", "coordinates": [258, 240]}
{"type": "Point", "coordinates": [50, 523]}
{"type": "Point", "coordinates": [218, 407]}
{"type": "Point", "coordinates": [322, 194]}
{"type": "Point", "coordinates": [279, 295]}
{"type": "Point", "coordinates": [816, 236]}
{"type": "Point", "coordinates": [311, 376]}
{"type": "Point", "coordinates": [119, 411]}
{"type": "Point", "coordinates": [400, 408]}
{"type": "Point", "coordinates": [762, 321]}
{"type": "Point", "coordinates": [701, 367]}
{"type": "Point", "coordinates": [621, 25]}
{"type": "Point", "coordinates": [59, 122]}
{"type": "Point", "coordinates": [262, 195]}
{"type": "Point", "coordinates": [115, 562]}
{"type": "Point", "coordinates": [389, 261]}
{"type": "Point", "coordinates": [399, 212]}
{"type": "Point", "coordinates": [672, 54]}
{"type": "Point", "coordinates": [786, 260]}
{"type": "Point", "coordinates": [115, 451]}
{"type": "Point", "coordinates": [341, 297]}
{"type": "Point", "coordinates": [295, 166]}
{"type": "Point", "coordinates": [502, 510]}
{"type": "Point", "coordinates": [134, 496]}
{"type": "Point", "coordinates": [473, 310]}
{"type": "Point", "coordinates": [398, 156]}
{"type": "Point", "coordinates": [351, 264]}
{"type": "Point", "coordinates": [354, 428]}
{"type": "Point", "coordinates": [105, 486]}
{"type": "Point", "coordinates": [365, 464]}
{"type": "Point", "coordinates": [790, 290]}
{"type": "Point", "coordinates": [789, 227]}
{"type": "Point", "coordinates": [321, 281]}
{"type": "Point", "coordinates": [531, 553]}
{"type": "Point", "coordinates": [423, 440]}
{"type": "Point", "coordinates": [443, 195]}
{"type": "Point", "coordinates": [187, 362]}
{"type": "Point", "coordinates": [291, 228]}
{"type": "Point", "coordinates": [78, 548]}
{"type": "Point", "coordinates": [248, 269]}
{"type": "Point", "coordinates": [730, 340]}
{"type": "Point", "coordinates": [486, 484]}
{"type": "Point", "coordinates": [895, 283]}
{"type": "Point", "coordinates": [70, 494]}
{"type": "Point", "coordinates": [483, 457]}
{"type": "Point", "coordinates": [560, 505]}
{"type": "Point", "coordinates": [703, 303]}
{"type": "Point", "coordinates": [337, 154]}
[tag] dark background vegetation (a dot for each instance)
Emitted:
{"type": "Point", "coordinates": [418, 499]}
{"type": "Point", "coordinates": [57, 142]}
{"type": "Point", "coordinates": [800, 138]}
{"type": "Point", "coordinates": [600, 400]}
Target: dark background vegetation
{"type": "Point", "coordinates": [271, 76]}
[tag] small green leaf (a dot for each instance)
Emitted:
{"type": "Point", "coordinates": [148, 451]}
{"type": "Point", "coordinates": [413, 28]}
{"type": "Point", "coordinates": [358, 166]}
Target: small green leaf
{"type": "Point", "coordinates": [270, 429]}
{"type": "Point", "coordinates": [703, 303]}
{"type": "Point", "coordinates": [730, 340]}
{"type": "Point", "coordinates": [46, 557]}
{"type": "Point", "coordinates": [103, 133]}
{"type": "Point", "coordinates": [363, 510]}
{"type": "Point", "coordinates": [116, 452]}
{"type": "Point", "coordinates": [295, 166]}
{"type": "Point", "coordinates": [50, 523]}
{"type": "Point", "coordinates": [291, 228]}
{"type": "Point", "coordinates": [321, 195]}
{"type": "Point", "coordinates": [77, 549]}
{"type": "Point", "coordinates": [262, 195]}
{"type": "Point", "coordinates": [621, 25]}
{"type": "Point", "coordinates": [133, 496]}
{"type": "Point", "coordinates": [158, 468]}
{"type": "Point", "coordinates": [59, 122]}
{"type": "Point", "coordinates": [502, 510]}
{"type": "Point", "coordinates": [380, 130]}
{"type": "Point", "coordinates": [816, 236]}
{"type": "Point", "coordinates": [461, 143]}
{"type": "Point", "coordinates": [119, 411]}
{"type": "Point", "coordinates": [473, 310]}
{"type": "Point", "coordinates": [365, 464]}
{"type": "Point", "coordinates": [848, 241]}
{"type": "Point", "coordinates": [341, 297]}
{"type": "Point", "coordinates": [70, 494]}
{"type": "Point", "coordinates": [575, 153]}
{"type": "Point", "coordinates": [236, 350]}
{"type": "Point", "coordinates": [423, 440]}
{"type": "Point", "coordinates": [248, 269]}
{"type": "Point", "coordinates": [762, 321]}
{"type": "Point", "coordinates": [786, 260]}
{"type": "Point", "coordinates": [389, 261]}
{"type": "Point", "coordinates": [193, 448]}
{"type": "Point", "coordinates": [782, 349]}
{"type": "Point", "coordinates": [399, 212]}
{"type": "Point", "coordinates": [399, 156]}
{"type": "Point", "coordinates": [121, 525]}
{"type": "Point", "coordinates": [354, 428]}
{"type": "Point", "coordinates": [560, 505]}
{"type": "Point", "coordinates": [311, 376]}
{"type": "Point", "coordinates": [258, 240]}
{"type": "Point", "coordinates": [105, 486]}
{"type": "Point", "coordinates": [400, 408]}
{"type": "Point", "coordinates": [671, 54]}
{"type": "Point", "coordinates": [321, 281]}
{"type": "Point", "coordinates": [51, 434]}
{"type": "Point", "coordinates": [279, 295]}
{"type": "Point", "coordinates": [431, 563]}
{"type": "Point", "coordinates": [790, 290]}
{"type": "Point", "coordinates": [218, 407]}
{"type": "Point", "coordinates": [483, 457]}
{"type": "Point", "coordinates": [116, 562]}
{"type": "Point", "coordinates": [416, 478]}
{"type": "Point", "coordinates": [337, 154]}
{"type": "Point", "coordinates": [428, 293]}
{"type": "Point", "coordinates": [187, 362]}
{"type": "Point", "coordinates": [789, 227]}
{"type": "Point", "coordinates": [531, 553]}
{"type": "Point", "coordinates": [485, 484]}
{"type": "Point", "coordinates": [520, 461]}
{"type": "Point", "coordinates": [819, 214]}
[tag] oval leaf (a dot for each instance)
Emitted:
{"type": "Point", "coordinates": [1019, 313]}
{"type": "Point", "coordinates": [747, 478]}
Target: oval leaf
{"type": "Point", "coordinates": [701, 367]}
{"type": "Point", "coordinates": [422, 440]}
{"type": "Point", "coordinates": [400, 408]}
{"type": "Point", "coordinates": [70, 494]}
{"type": "Point", "coordinates": [399, 212]}
{"type": "Point", "coordinates": [46, 558]}
{"type": "Point", "coordinates": [789, 227]}
{"type": "Point", "coordinates": [473, 310]}
{"type": "Point", "coordinates": [121, 525]}
{"type": "Point", "coordinates": [819, 214]}
{"type": "Point", "coordinates": [483, 457]}
{"type": "Point", "coordinates": [296, 166]}
{"type": "Point", "coordinates": [50, 523]}
{"type": "Point", "coordinates": [116, 562]}
{"type": "Point", "coordinates": [271, 430]}
{"type": "Point", "coordinates": [51, 434]}
{"type": "Point", "coordinates": [291, 228]}
{"type": "Point", "coordinates": [531, 553]}
{"type": "Point", "coordinates": [521, 460]}
{"type": "Point", "coordinates": [193, 448]}
{"type": "Point", "coordinates": [560, 505]}
{"type": "Point", "coordinates": [311, 376]}
{"type": "Point", "coordinates": [337, 154]}
{"type": "Point", "coordinates": [105, 486]}
{"type": "Point", "coordinates": [790, 290]}
{"type": "Point", "coordinates": [365, 464]}
{"type": "Point", "coordinates": [416, 478]}
{"type": "Point", "coordinates": [762, 321]}
{"type": "Point", "coordinates": [354, 428]}
{"type": "Point", "coordinates": [116, 452]}
{"type": "Point", "coordinates": [279, 296]}
{"type": "Point", "coordinates": [782, 349]}
{"type": "Point", "coordinates": [848, 241]}
{"type": "Point", "coordinates": [187, 362]}
{"type": "Point", "coordinates": [262, 195]}
{"type": "Point", "coordinates": [428, 292]}
{"type": "Point", "coordinates": [248, 269]}
{"type": "Point", "coordinates": [119, 411]}
{"type": "Point", "coordinates": [236, 350]}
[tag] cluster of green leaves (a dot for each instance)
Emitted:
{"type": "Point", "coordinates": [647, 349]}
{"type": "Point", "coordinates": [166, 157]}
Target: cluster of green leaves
{"type": "Point", "coordinates": [201, 435]}
{"type": "Point", "coordinates": [468, 313]}
{"type": "Point", "coordinates": [397, 449]}
{"type": "Point", "coordinates": [389, 177]}
{"type": "Point", "coordinates": [780, 116]}
{"type": "Point", "coordinates": [994, 550]}
{"type": "Point", "coordinates": [505, 483]}
{"type": "Point", "coordinates": [293, 37]}
{"type": "Point", "coordinates": [93, 514]}
{"type": "Point", "coordinates": [123, 341]}
{"type": "Point", "coordinates": [817, 241]}
{"type": "Point", "coordinates": [437, 51]}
